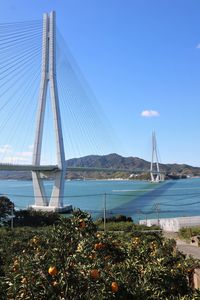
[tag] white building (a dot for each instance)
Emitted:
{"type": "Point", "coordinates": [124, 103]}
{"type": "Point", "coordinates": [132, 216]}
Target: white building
{"type": "Point", "coordinates": [173, 224]}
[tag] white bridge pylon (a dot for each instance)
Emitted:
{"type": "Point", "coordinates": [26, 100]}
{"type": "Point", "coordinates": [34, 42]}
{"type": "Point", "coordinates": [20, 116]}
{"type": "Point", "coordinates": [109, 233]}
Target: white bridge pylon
{"type": "Point", "coordinates": [48, 79]}
{"type": "Point", "coordinates": [156, 175]}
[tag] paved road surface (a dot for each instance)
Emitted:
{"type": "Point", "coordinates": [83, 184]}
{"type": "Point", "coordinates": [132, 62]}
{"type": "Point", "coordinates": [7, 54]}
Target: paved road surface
{"type": "Point", "coordinates": [182, 246]}
{"type": "Point", "coordinates": [188, 249]}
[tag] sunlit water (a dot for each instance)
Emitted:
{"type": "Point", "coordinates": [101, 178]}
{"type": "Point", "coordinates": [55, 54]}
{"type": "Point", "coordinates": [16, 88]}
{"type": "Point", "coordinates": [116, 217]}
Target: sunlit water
{"type": "Point", "coordinates": [138, 199]}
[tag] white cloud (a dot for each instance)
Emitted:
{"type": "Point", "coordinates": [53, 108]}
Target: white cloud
{"type": "Point", "coordinates": [198, 46]}
{"type": "Point", "coordinates": [23, 157]}
{"type": "Point", "coordinates": [25, 154]}
{"type": "Point", "coordinates": [11, 157]}
{"type": "Point", "coordinates": [6, 149]}
{"type": "Point", "coordinates": [16, 160]}
{"type": "Point", "coordinates": [150, 113]}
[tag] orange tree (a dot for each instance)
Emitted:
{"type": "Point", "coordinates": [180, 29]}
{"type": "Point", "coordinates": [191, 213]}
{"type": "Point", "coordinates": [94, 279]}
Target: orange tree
{"type": "Point", "coordinates": [74, 261]}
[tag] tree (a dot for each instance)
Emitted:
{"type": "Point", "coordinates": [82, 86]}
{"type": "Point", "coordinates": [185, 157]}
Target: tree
{"type": "Point", "coordinates": [6, 209]}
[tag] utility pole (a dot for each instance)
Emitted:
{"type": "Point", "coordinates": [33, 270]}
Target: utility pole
{"type": "Point", "coordinates": [157, 207]}
{"type": "Point", "coordinates": [12, 215]}
{"type": "Point", "coordinates": [138, 213]}
{"type": "Point", "coordinates": [104, 212]}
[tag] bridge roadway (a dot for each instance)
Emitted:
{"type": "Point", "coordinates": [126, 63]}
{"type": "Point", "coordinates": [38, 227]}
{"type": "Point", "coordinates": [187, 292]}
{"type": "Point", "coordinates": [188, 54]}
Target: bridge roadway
{"type": "Point", "coordinates": [54, 168]}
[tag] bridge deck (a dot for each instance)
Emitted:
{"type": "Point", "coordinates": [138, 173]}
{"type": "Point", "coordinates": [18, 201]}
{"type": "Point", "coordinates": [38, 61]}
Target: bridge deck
{"type": "Point", "coordinates": [10, 167]}
{"type": "Point", "coordinates": [54, 168]}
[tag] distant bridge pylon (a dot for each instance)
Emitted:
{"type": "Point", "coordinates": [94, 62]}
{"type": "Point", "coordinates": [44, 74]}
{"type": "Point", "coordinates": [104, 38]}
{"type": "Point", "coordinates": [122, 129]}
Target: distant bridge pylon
{"type": "Point", "coordinates": [155, 173]}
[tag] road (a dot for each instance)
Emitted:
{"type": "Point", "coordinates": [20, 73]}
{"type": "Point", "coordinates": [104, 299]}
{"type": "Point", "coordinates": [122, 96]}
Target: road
{"type": "Point", "coordinates": [188, 249]}
{"type": "Point", "coordinates": [183, 246]}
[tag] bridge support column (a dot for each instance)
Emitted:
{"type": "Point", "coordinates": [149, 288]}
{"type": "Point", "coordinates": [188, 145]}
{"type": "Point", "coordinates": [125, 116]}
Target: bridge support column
{"type": "Point", "coordinates": [58, 190]}
{"type": "Point", "coordinates": [48, 78]}
{"type": "Point", "coordinates": [39, 192]}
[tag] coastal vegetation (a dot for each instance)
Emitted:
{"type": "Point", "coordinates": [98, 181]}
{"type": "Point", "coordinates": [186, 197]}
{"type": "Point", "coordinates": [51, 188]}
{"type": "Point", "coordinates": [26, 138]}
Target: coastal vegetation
{"type": "Point", "coordinates": [72, 259]}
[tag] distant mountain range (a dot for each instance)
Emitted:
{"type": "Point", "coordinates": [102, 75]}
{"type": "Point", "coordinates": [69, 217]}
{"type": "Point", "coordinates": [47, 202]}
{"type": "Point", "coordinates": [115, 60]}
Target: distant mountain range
{"type": "Point", "coordinates": [117, 161]}
{"type": "Point", "coordinates": [114, 161]}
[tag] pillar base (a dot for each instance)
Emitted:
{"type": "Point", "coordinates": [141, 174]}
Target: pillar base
{"type": "Point", "coordinates": [64, 209]}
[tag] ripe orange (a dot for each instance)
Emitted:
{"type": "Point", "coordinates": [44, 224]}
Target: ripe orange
{"type": "Point", "coordinates": [81, 224]}
{"type": "Point", "coordinates": [96, 246]}
{"type": "Point", "coordinates": [94, 274]}
{"type": "Point", "coordinates": [99, 246]}
{"type": "Point", "coordinates": [114, 287]}
{"type": "Point", "coordinates": [53, 271]}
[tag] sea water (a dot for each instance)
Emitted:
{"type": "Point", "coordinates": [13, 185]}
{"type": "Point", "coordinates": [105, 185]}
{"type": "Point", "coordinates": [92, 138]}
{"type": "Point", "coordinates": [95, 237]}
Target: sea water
{"type": "Point", "coordinates": [138, 199]}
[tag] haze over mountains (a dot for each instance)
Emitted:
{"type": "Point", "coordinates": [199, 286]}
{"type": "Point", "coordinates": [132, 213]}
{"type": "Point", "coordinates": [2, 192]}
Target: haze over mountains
{"type": "Point", "coordinates": [110, 161]}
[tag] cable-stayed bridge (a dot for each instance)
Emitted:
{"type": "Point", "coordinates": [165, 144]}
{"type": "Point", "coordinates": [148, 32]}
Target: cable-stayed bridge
{"type": "Point", "coordinates": [22, 46]}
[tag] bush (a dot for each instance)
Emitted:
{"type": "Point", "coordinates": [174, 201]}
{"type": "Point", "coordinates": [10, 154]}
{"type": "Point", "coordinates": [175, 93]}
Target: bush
{"type": "Point", "coordinates": [6, 209]}
{"type": "Point", "coordinates": [117, 226]}
{"type": "Point", "coordinates": [119, 218]}
{"type": "Point", "coordinates": [35, 218]}
{"type": "Point", "coordinates": [73, 261]}
{"type": "Point", "coordinates": [126, 226]}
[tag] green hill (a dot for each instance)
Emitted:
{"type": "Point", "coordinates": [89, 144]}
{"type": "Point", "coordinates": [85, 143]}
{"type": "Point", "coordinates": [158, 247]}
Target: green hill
{"type": "Point", "coordinates": [113, 161]}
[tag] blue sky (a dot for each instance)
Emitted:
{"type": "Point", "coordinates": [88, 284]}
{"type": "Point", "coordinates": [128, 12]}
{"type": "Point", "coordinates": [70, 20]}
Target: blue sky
{"type": "Point", "coordinates": [137, 55]}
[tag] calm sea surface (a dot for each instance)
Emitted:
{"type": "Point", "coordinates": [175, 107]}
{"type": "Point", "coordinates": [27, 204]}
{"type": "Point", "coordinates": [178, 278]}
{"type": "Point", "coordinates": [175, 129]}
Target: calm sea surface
{"type": "Point", "coordinates": [138, 199]}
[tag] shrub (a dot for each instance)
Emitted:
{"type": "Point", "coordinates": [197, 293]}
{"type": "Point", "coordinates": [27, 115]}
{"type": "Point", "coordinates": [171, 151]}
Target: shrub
{"type": "Point", "coordinates": [6, 209]}
{"type": "Point", "coordinates": [119, 218]}
{"type": "Point", "coordinates": [35, 218]}
{"type": "Point", "coordinates": [117, 226]}
{"type": "Point", "coordinates": [73, 261]}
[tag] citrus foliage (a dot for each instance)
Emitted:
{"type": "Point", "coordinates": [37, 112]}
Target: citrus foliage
{"type": "Point", "coordinates": [73, 261]}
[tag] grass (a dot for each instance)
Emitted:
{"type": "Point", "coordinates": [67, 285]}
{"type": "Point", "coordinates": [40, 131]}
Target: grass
{"type": "Point", "coordinates": [187, 232]}
{"type": "Point", "coordinates": [124, 226]}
